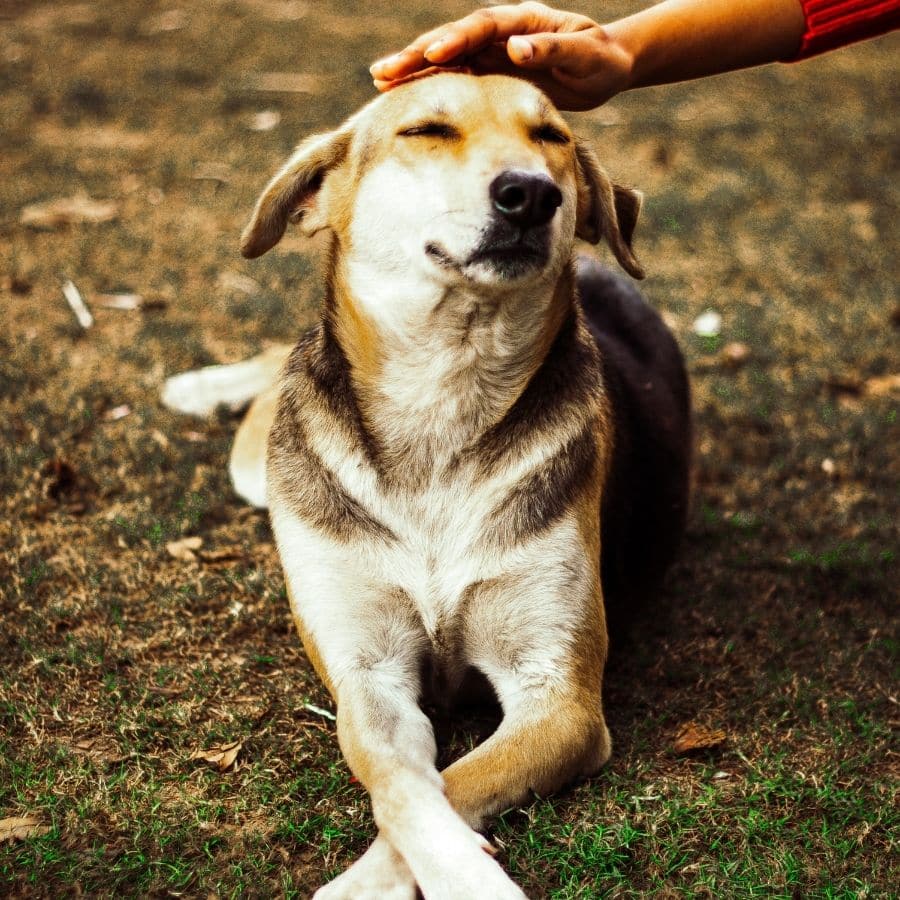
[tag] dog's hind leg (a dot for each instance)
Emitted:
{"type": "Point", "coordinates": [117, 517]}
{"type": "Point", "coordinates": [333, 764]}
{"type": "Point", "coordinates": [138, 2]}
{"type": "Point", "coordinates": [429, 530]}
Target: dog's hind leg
{"type": "Point", "coordinates": [247, 464]}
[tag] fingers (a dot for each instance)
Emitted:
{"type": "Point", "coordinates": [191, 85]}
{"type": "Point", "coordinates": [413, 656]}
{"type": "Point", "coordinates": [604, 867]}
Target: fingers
{"type": "Point", "coordinates": [578, 54]}
{"type": "Point", "coordinates": [473, 33]}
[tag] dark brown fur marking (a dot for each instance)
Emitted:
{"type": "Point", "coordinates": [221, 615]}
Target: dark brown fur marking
{"type": "Point", "coordinates": [542, 496]}
{"type": "Point", "coordinates": [311, 488]}
{"type": "Point", "coordinates": [564, 385]}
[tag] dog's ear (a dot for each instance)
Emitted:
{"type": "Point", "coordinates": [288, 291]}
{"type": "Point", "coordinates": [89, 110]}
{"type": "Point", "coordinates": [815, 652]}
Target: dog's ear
{"type": "Point", "coordinates": [606, 210]}
{"type": "Point", "coordinates": [292, 195]}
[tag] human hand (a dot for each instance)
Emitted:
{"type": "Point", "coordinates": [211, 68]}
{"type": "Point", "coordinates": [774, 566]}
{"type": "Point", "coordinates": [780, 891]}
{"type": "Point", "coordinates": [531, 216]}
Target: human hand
{"type": "Point", "coordinates": [569, 56]}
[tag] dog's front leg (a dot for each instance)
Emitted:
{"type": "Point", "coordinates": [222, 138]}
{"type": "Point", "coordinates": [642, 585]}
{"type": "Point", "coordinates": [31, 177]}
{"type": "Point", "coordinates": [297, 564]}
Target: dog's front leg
{"type": "Point", "coordinates": [368, 642]}
{"type": "Point", "coordinates": [547, 671]}
{"type": "Point", "coordinates": [389, 744]}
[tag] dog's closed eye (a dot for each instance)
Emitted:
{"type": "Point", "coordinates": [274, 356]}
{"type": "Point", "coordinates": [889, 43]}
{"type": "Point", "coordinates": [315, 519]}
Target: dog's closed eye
{"type": "Point", "coordinates": [430, 129]}
{"type": "Point", "coordinates": [549, 134]}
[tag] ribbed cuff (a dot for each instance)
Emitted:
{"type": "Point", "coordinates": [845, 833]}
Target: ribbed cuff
{"type": "Point", "coordinates": [833, 23]}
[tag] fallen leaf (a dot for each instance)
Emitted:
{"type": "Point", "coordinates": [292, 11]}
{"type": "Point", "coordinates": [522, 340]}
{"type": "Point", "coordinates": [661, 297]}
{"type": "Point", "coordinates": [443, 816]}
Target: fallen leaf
{"type": "Point", "coordinates": [236, 281]}
{"type": "Point", "coordinates": [223, 554]}
{"type": "Point", "coordinates": [69, 211]}
{"type": "Point", "coordinates": [691, 737]}
{"type": "Point", "coordinates": [184, 549]}
{"type": "Point", "coordinates": [264, 120]}
{"type": "Point", "coordinates": [20, 828]}
{"type": "Point", "coordinates": [223, 757]}
{"type": "Point", "coordinates": [734, 354]}
{"type": "Point", "coordinates": [102, 749]}
{"type": "Point", "coordinates": [883, 385]}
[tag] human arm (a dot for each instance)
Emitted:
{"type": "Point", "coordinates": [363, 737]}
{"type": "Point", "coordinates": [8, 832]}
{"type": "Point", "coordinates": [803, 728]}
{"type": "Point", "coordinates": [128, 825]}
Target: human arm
{"type": "Point", "coordinates": [581, 64]}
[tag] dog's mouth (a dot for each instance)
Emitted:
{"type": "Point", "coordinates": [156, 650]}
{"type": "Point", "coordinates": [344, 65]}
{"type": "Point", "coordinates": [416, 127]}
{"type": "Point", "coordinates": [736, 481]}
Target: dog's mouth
{"type": "Point", "coordinates": [506, 254]}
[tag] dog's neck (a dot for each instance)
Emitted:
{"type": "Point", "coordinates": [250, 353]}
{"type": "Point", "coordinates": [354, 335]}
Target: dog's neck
{"type": "Point", "coordinates": [430, 383]}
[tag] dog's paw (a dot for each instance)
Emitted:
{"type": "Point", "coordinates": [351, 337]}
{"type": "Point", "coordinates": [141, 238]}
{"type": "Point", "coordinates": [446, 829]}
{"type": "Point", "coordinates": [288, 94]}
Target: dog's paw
{"type": "Point", "coordinates": [379, 874]}
{"type": "Point", "coordinates": [462, 866]}
{"type": "Point", "coordinates": [476, 878]}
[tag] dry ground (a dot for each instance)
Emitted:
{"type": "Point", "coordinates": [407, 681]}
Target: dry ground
{"type": "Point", "coordinates": [772, 198]}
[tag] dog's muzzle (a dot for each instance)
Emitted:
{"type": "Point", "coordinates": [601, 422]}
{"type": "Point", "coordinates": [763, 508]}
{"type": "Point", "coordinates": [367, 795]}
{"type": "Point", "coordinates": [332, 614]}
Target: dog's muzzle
{"type": "Point", "coordinates": [525, 199]}
{"type": "Point", "coordinates": [516, 240]}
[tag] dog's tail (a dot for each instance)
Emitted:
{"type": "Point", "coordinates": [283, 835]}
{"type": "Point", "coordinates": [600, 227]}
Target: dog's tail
{"type": "Point", "coordinates": [253, 381]}
{"type": "Point", "coordinates": [201, 391]}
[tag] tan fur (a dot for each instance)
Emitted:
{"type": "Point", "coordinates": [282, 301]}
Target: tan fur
{"type": "Point", "coordinates": [436, 468]}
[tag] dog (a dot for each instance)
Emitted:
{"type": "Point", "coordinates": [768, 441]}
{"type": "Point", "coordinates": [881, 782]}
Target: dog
{"type": "Point", "coordinates": [481, 449]}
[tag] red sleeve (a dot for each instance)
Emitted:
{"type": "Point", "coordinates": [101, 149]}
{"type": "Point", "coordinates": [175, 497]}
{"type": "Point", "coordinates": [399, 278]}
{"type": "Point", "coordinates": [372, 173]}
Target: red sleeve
{"type": "Point", "coordinates": [833, 23]}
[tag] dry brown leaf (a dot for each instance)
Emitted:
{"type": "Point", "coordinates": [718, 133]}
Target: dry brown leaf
{"type": "Point", "coordinates": [223, 554]}
{"type": "Point", "coordinates": [184, 549]}
{"type": "Point", "coordinates": [103, 749]}
{"type": "Point", "coordinates": [20, 827]}
{"type": "Point", "coordinates": [691, 737]}
{"type": "Point", "coordinates": [734, 354]}
{"type": "Point", "coordinates": [67, 211]}
{"type": "Point", "coordinates": [223, 757]}
{"type": "Point", "coordinates": [883, 385]}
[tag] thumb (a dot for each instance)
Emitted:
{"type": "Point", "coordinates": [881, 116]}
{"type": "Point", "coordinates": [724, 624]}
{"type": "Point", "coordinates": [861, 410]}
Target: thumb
{"type": "Point", "coordinates": [570, 53]}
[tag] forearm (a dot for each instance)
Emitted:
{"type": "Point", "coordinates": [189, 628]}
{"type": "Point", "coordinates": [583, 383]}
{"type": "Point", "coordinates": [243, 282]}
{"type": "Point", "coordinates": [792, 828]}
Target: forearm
{"type": "Point", "coordinates": [682, 39]}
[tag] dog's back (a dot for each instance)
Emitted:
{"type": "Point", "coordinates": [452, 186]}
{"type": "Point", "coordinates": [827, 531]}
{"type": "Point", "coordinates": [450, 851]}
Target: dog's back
{"type": "Point", "coordinates": [645, 501]}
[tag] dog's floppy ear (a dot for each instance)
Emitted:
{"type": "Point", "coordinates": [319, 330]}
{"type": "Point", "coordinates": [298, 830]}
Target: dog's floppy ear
{"type": "Point", "coordinates": [292, 194]}
{"type": "Point", "coordinates": [606, 210]}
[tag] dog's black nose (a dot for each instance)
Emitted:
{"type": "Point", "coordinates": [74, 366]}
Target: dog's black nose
{"type": "Point", "coordinates": [524, 198]}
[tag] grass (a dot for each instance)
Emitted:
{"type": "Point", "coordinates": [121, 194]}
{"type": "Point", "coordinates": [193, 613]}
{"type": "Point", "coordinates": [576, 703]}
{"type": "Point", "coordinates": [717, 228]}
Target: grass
{"type": "Point", "coordinates": [771, 198]}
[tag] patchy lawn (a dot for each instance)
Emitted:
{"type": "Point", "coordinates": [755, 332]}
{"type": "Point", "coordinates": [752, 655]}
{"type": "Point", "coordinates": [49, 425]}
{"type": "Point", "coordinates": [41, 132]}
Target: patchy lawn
{"type": "Point", "coordinates": [772, 198]}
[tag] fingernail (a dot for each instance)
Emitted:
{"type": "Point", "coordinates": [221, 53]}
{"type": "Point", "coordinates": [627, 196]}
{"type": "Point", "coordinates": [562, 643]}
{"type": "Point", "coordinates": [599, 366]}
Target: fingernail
{"type": "Point", "coordinates": [521, 47]}
{"type": "Point", "coordinates": [435, 47]}
{"type": "Point", "coordinates": [387, 60]}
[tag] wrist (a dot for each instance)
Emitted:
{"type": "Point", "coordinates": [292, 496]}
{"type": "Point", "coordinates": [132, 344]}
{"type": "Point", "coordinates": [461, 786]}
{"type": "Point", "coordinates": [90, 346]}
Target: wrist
{"type": "Point", "coordinates": [633, 43]}
{"type": "Point", "coordinates": [615, 57]}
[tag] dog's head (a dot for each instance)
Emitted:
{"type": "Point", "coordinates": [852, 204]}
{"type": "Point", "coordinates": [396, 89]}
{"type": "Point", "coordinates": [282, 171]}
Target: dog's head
{"type": "Point", "coordinates": [451, 179]}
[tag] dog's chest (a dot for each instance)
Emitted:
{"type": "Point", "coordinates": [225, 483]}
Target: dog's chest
{"type": "Point", "coordinates": [442, 546]}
